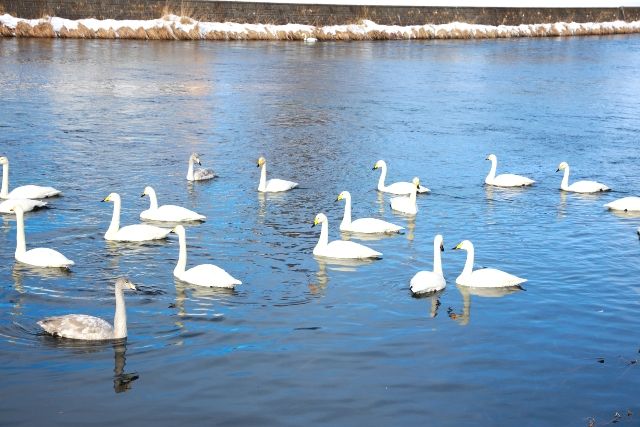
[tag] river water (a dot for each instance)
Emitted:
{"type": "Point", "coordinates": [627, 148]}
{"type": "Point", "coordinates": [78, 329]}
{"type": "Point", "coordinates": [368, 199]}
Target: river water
{"type": "Point", "coordinates": [302, 341]}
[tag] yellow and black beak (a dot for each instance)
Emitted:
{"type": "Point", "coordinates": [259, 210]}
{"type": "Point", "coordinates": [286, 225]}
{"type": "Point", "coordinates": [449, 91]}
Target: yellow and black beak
{"type": "Point", "coordinates": [106, 199]}
{"type": "Point", "coordinates": [315, 222]}
{"type": "Point", "coordinates": [374, 167]}
{"type": "Point", "coordinates": [339, 197]}
{"type": "Point", "coordinates": [456, 247]}
{"type": "Point", "coordinates": [143, 194]}
{"type": "Point", "coordinates": [558, 170]}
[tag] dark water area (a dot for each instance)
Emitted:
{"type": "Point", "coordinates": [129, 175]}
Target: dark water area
{"type": "Point", "coordinates": [303, 341]}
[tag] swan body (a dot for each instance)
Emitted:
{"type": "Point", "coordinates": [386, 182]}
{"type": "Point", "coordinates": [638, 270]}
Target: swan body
{"type": "Point", "coordinates": [485, 277]}
{"type": "Point", "coordinates": [430, 281]}
{"type": "Point", "coordinates": [579, 186]}
{"type": "Point", "coordinates": [339, 249]}
{"type": "Point", "coordinates": [24, 192]}
{"type": "Point", "coordinates": [407, 204]}
{"type": "Point", "coordinates": [208, 275]}
{"type": "Point", "coordinates": [130, 233]}
{"type": "Point", "coordinates": [27, 205]}
{"type": "Point", "coordinates": [170, 213]}
{"type": "Point", "coordinates": [272, 185]}
{"type": "Point", "coordinates": [198, 174]}
{"type": "Point", "coordinates": [626, 204]}
{"type": "Point", "coordinates": [84, 327]}
{"type": "Point", "coordinates": [506, 179]}
{"type": "Point", "coordinates": [399, 188]}
{"type": "Point", "coordinates": [38, 257]}
{"type": "Point", "coordinates": [310, 39]}
{"type": "Point", "coordinates": [363, 225]}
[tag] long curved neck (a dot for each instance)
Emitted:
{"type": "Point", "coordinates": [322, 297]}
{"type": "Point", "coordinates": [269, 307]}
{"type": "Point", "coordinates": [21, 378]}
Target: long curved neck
{"type": "Point", "coordinates": [346, 219]}
{"type": "Point", "coordinates": [492, 172]}
{"type": "Point", "coordinates": [153, 199]}
{"type": "Point", "coordinates": [324, 235]}
{"type": "Point", "coordinates": [263, 178]}
{"type": "Point", "coordinates": [21, 246]}
{"type": "Point", "coordinates": [115, 218]}
{"type": "Point", "coordinates": [5, 180]}
{"type": "Point", "coordinates": [182, 257]}
{"type": "Point", "coordinates": [120, 318]}
{"type": "Point", "coordinates": [468, 266]}
{"type": "Point", "coordinates": [437, 260]}
{"type": "Point", "coordinates": [190, 170]}
{"type": "Point", "coordinates": [412, 196]}
{"type": "Point", "coordinates": [565, 179]}
{"type": "Point", "coordinates": [383, 176]}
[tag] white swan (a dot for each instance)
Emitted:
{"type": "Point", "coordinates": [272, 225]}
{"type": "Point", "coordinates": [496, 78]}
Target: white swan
{"type": "Point", "coordinates": [24, 192]}
{"type": "Point", "coordinates": [207, 275]}
{"type": "Point", "coordinates": [84, 327]}
{"type": "Point", "coordinates": [363, 225]}
{"type": "Point", "coordinates": [397, 187]}
{"type": "Point", "coordinates": [407, 204]}
{"type": "Point", "coordinates": [626, 204]}
{"type": "Point", "coordinates": [339, 249]}
{"type": "Point", "coordinates": [199, 174]}
{"type": "Point", "coordinates": [484, 277]}
{"type": "Point", "coordinates": [171, 213]}
{"type": "Point", "coordinates": [130, 233]}
{"type": "Point", "coordinates": [579, 186]}
{"type": "Point", "coordinates": [27, 205]}
{"type": "Point", "coordinates": [39, 257]}
{"type": "Point", "coordinates": [505, 179]}
{"type": "Point", "coordinates": [272, 185]}
{"type": "Point", "coordinates": [430, 281]}
{"type": "Point", "coordinates": [310, 39]}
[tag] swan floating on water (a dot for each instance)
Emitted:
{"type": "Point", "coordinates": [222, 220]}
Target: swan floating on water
{"type": "Point", "coordinates": [198, 174]}
{"type": "Point", "coordinates": [207, 275]}
{"type": "Point", "coordinates": [626, 204]}
{"type": "Point", "coordinates": [484, 277]}
{"type": "Point", "coordinates": [363, 225]}
{"type": "Point", "coordinates": [130, 233]}
{"type": "Point", "coordinates": [579, 186]}
{"type": "Point", "coordinates": [430, 281]}
{"type": "Point", "coordinates": [310, 39]}
{"type": "Point", "coordinates": [27, 205]}
{"type": "Point", "coordinates": [506, 179]}
{"type": "Point", "coordinates": [170, 213]}
{"type": "Point", "coordinates": [272, 185]}
{"type": "Point", "coordinates": [38, 257]}
{"type": "Point", "coordinates": [25, 191]}
{"type": "Point", "coordinates": [339, 249]}
{"type": "Point", "coordinates": [84, 327]}
{"type": "Point", "coordinates": [407, 204]}
{"type": "Point", "coordinates": [399, 188]}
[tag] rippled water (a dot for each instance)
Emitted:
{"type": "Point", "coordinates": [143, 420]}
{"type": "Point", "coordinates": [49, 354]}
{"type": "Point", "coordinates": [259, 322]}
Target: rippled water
{"type": "Point", "coordinates": [301, 341]}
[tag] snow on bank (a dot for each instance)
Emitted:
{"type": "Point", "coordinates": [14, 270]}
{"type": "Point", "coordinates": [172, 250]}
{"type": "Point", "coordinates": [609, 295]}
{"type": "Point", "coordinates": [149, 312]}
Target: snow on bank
{"type": "Point", "coordinates": [173, 27]}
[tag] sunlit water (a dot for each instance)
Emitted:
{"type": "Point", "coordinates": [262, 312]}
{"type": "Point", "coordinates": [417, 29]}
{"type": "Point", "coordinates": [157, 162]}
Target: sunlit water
{"type": "Point", "coordinates": [303, 342]}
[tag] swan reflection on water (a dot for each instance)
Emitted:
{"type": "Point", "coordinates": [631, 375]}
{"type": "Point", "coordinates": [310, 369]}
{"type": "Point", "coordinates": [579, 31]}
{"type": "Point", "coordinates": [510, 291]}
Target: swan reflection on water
{"type": "Point", "coordinates": [434, 301]}
{"type": "Point", "coordinates": [466, 292]}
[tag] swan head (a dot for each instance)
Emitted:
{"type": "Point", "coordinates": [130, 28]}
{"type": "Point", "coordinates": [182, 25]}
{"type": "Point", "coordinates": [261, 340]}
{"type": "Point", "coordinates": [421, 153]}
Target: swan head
{"type": "Point", "coordinates": [438, 240]}
{"type": "Point", "coordinates": [195, 157]}
{"type": "Point", "coordinates": [465, 244]}
{"type": "Point", "coordinates": [261, 161]}
{"type": "Point", "coordinates": [379, 164]}
{"type": "Point", "coordinates": [416, 181]}
{"type": "Point", "coordinates": [179, 230]}
{"type": "Point", "coordinates": [4, 160]}
{"type": "Point", "coordinates": [124, 283]}
{"type": "Point", "coordinates": [562, 166]}
{"type": "Point", "coordinates": [112, 197]}
{"type": "Point", "coordinates": [343, 195]}
{"type": "Point", "coordinates": [147, 191]}
{"type": "Point", "coordinates": [319, 219]}
{"type": "Point", "coordinates": [492, 157]}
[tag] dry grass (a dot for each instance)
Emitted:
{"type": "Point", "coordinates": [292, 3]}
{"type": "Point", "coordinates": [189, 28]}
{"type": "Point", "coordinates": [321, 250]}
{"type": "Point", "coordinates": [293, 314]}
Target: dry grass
{"type": "Point", "coordinates": [6, 31]}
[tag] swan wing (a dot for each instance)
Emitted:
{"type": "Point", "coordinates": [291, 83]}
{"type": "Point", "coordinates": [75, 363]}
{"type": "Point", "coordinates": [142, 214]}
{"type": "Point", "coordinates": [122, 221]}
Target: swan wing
{"type": "Point", "coordinates": [625, 204]}
{"type": "Point", "coordinates": [489, 278]}
{"type": "Point", "coordinates": [209, 275]}
{"type": "Point", "coordinates": [275, 185]}
{"type": "Point", "coordinates": [347, 250]}
{"type": "Point", "coordinates": [140, 233]}
{"type": "Point", "coordinates": [511, 180]}
{"type": "Point", "coordinates": [426, 282]}
{"type": "Point", "coordinates": [26, 205]}
{"type": "Point", "coordinates": [372, 225]}
{"type": "Point", "coordinates": [399, 188]}
{"type": "Point", "coordinates": [44, 257]}
{"type": "Point", "coordinates": [587, 187]}
{"type": "Point", "coordinates": [171, 213]}
{"type": "Point", "coordinates": [32, 192]}
{"type": "Point", "coordinates": [203, 174]}
{"type": "Point", "coordinates": [77, 326]}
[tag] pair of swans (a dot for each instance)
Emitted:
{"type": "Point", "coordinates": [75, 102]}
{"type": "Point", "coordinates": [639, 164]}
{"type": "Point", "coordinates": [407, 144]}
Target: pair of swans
{"type": "Point", "coordinates": [363, 225]}
{"type": "Point", "coordinates": [407, 204]}
{"type": "Point", "coordinates": [198, 174]}
{"type": "Point", "coordinates": [398, 188]}
{"type": "Point", "coordinates": [167, 213]}
{"type": "Point", "coordinates": [425, 282]}
{"type": "Point", "coordinates": [274, 185]}
{"type": "Point", "coordinates": [339, 249]}
{"type": "Point", "coordinates": [130, 233]}
{"type": "Point", "coordinates": [24, 195]}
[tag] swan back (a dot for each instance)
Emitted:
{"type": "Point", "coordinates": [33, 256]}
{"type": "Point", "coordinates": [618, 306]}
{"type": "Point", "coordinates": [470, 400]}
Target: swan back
{"type": "Point", "coordinates": [26, 205]}
{"type": "Point", "coordinates": [631, 203]}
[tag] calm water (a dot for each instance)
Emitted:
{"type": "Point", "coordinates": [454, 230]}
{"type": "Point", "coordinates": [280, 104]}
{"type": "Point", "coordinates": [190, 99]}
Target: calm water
{"type": "Point", "coordinates": [302, 342]}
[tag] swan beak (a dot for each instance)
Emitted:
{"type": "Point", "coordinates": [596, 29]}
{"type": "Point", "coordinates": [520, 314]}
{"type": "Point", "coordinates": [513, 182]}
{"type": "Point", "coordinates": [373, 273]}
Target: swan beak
{"type": "Point", "coordinates": [338, 198]}
{"type": "Point", "coordinates": [457, 246]}
{"type": "Point", "coordinates": [441, 247]}
{"type": "Point", "coordinates": [258, 165]}
{"type": "Point", "coordinates": [133, 287]}
{"type": "Point", "coordinates": [315, 222]}
{"type": "Point", "coordinates": [486, 158]}
{"type": "Point", "coordinates": [558, 170]}
{"type": "Point", "coordinates": [143, 194]}
{"type": "Point", "coordinates": [374, 168]}
{"type": "Point", "coordinates": [106, 199]}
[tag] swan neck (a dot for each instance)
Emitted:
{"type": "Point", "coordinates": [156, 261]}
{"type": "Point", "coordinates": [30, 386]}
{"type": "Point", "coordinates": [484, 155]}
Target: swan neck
{"type": "Point", "coordinates": [468, 266]}
{"type": "Point", "coordinates": [21, 245]}
{"type": "Point", "coordinates": [263, 178]}
{"type": "Point", "coordinates": [4, 192]}
{"type": "Point", "coordinates": [492, 172]}
{"type": "Point", "coordinates": [153, 199]}
{"type": "Point", "coordinates": [383, 176]}
{"type": "Point", "coordinates": [182, 256]}
{"type": "Point", "coordinates": [120, 318]}
{"type": "Point", "coordinates": [346, 219]}
{"type": "Point", "coordinates": [190, 170]}
{"type": "Point", "coordinates": [115, 218]}
{"type": "Point", "coordinates": [324, 236]}
{"type": "Point", "coordinates": [565, 179]}
{"type": "Point", "coordinates": [437, 259]}
{"type": "Point", "coordinates": [412, 196]}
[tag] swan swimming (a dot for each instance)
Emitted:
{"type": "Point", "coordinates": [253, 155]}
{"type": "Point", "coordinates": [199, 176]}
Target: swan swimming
{"type": "Point", "coordinates": [207, 275]}
{"type": "Point", "coordinates": [27, 205]}
{"type": "Point", "coordinates": [38, 257]}
{"type": "Point", "coordinates": [130, 233]}
{"type": "Point", "coordinates": [84, 327]}
{"type": "Point", "coordinates": [484, 277]}
{"type": "Point", "coordinates": [430, 281]}
{"type": "Point", "coordinates": [579, 186]}
{"type": "Point", "coordinates": [399, 188]}
{"type": "Point", "coordinates": [506, 179]}
{"type": "Point", "coordinates": [407, 204]}
{"type": "Point", "coordinates": [310, 39]}
{"type": "Point", "coordinates": [626, 204]}
{"type": "Point", "coordinates": [171, 213]}
{"type": "Point", "coordinates": [25, 191]}
{"type": "Point", "coordinates": [339, 249]}
{"type": "Point", "coordinates": [363, 225]}
{"type": "Point", "coordinates": [272, 185]}
{"type": "Point", "coordinates": [199, 174]}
